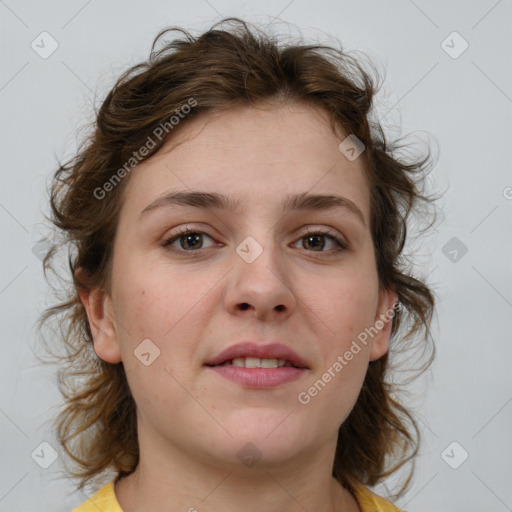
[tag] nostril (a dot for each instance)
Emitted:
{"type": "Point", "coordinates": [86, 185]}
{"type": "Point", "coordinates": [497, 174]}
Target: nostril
{"type": "Point", "coordinates": [244, 306]}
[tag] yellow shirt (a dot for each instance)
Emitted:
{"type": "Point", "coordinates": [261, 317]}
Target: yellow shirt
{"type": "Point", "coordinates": [105, 500]}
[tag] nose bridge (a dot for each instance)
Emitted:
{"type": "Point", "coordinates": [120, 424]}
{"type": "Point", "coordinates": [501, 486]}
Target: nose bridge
{"type": "Point", "coordinates": [259, 258]}
{"type": "Point", "coordinates": [259, 279]}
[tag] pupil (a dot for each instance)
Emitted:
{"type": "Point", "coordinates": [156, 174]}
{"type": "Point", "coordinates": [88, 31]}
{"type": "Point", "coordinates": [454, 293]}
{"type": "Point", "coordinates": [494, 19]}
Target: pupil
{"type": "Point", "coordinates": [316, 237]}
{"type": "Point", "coordinates": [191, 237]}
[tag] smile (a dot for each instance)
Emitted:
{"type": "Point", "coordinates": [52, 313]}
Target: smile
{"type": "Point", "coordinates": [255, 362]}
{"type": "Point", "coordinates": [254, 373]}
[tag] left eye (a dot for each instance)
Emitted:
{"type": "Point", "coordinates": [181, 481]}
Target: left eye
{"type": "Point", "coordinates": [316, 240]}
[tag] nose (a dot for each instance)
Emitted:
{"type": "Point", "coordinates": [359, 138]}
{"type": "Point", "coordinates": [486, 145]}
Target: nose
{"type": "Point", "coordinates": [260, 288]}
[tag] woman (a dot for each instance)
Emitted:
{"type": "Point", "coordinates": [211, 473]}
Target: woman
{"type": "Point", "coordinates": [238, 225]}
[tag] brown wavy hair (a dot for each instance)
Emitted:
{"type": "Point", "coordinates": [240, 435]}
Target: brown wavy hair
{"type": "Point", "coordinates": [221, 69]}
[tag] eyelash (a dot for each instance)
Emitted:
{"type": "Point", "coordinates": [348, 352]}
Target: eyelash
{"type": "Point", "coordinates": [186, 231]}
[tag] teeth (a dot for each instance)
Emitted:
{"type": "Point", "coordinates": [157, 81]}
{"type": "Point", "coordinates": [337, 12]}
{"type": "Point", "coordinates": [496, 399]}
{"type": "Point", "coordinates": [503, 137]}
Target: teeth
{"type": "Point", "coordinates": [252, 362]}
{"type": "Point", "coordinates": [255, 362]}
{"type": "Point", "coordinates": [269, 363]}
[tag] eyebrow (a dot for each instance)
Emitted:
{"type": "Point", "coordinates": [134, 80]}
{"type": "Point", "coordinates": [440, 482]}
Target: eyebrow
{"type": "Point", "coordinates": [303, 201]}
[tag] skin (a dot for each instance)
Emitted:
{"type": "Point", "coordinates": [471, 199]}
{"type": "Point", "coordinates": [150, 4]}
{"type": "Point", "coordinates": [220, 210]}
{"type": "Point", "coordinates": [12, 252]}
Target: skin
{"type": "Point", "coordinates": [191, 421]}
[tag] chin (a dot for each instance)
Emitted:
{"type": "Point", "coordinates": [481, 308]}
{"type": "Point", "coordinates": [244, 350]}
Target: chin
{"type": "Point", "coordinates": [240, 453]}
{"type": "Point", "coordinates": [264, 436]}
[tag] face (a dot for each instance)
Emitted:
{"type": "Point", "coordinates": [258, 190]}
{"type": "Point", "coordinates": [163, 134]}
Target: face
{"type": "Point", "coordinates": [292, 283]}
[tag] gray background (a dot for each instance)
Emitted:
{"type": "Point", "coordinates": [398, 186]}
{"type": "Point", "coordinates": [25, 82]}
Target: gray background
{"type": "Point", "coordinates": [463, 100]}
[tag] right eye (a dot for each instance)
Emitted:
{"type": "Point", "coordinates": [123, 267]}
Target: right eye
{"type": "Point", "coordinates": [188, 240]}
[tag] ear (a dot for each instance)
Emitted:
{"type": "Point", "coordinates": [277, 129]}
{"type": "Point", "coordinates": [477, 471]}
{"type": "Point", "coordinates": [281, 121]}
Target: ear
{"type": "Point", "coordinates": [383, 322]}
{"type": "Point", "coordinates": [98, 306]}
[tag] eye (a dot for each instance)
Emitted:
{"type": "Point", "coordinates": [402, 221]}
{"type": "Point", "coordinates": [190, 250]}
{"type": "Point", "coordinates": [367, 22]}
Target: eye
{"type": "Point", "coordinates": [188, 239]}
{"type": "Point", "coordinates": [316, 241]}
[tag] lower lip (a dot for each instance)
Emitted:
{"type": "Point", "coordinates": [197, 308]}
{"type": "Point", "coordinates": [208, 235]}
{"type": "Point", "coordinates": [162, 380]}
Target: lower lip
{"type": "Point", "coordinates": [259, 378]}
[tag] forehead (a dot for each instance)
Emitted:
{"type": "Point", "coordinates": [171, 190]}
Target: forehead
{"type": "Point", "coordinates": [257, 154]}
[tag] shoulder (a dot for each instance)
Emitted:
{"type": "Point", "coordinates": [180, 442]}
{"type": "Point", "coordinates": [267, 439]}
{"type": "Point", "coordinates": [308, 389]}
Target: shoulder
{"type": "Point", "coordinates": [371, 502]}
{"type": "Point", "coordinates": [104, 499]}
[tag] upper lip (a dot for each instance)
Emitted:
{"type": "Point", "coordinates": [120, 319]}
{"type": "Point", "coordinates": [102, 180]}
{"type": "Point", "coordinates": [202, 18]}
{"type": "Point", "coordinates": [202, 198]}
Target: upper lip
{"type": "Point", "coordinates": [253, 349]}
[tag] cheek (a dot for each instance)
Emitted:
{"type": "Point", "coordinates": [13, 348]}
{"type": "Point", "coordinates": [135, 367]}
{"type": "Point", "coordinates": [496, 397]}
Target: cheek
{"type": "Point", "coordinates": [149, 304]}
{"type": "Point", "coordinates": [333, 391]}
{"type": "Point", "coordinates": [165, 307]}
{"type": "Point", "coordinates": [345, 304]}
{"type": "Point", "coordinates": [157, 342]}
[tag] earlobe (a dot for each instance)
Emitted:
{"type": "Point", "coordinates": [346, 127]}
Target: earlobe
{"type": "Point", "coordinates": [383, 323]}
{"type": "Point", "coordinates": [98, 307]}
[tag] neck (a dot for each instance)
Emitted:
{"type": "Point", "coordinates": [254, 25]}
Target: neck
{"type": "Point", "coordinates": [178, 482]}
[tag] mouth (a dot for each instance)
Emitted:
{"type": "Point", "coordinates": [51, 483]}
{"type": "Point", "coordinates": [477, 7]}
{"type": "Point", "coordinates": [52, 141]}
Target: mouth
{"type": "Point", "coordinates": [250, 354]}
{"type": "Point", "coordinates": [256, 366]}
{"type": "Point", "coordinates": [256, 362]}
